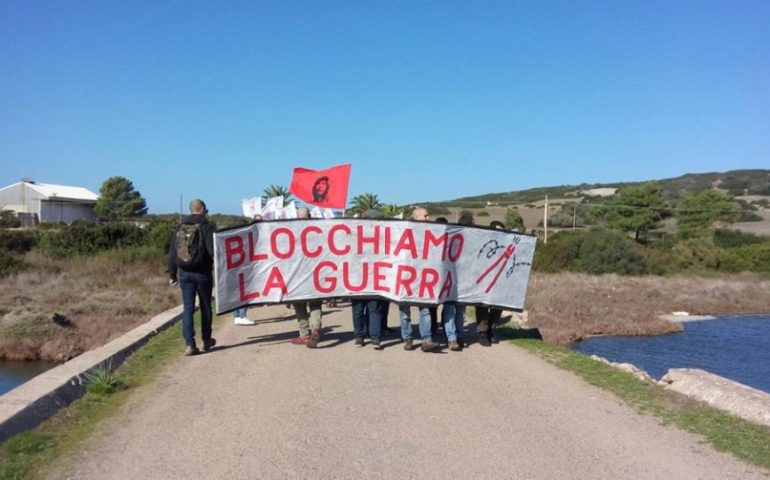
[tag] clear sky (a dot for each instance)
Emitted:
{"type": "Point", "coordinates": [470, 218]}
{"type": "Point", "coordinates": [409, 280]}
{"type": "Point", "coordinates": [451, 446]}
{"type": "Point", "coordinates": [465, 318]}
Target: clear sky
{"type": "Point", "coordinates": [427, 100]}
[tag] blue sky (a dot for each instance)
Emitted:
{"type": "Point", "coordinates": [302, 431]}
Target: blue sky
{"type": "Point", "coordinates": [427, 100]}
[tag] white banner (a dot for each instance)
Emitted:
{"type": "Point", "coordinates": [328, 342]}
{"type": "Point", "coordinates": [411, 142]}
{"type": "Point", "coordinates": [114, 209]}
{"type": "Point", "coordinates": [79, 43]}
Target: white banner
{"type": "Point", "coordinates": [414, 262]}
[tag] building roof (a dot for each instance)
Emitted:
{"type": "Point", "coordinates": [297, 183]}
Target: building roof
{"type": "Point", "coordinates": [64, 192]}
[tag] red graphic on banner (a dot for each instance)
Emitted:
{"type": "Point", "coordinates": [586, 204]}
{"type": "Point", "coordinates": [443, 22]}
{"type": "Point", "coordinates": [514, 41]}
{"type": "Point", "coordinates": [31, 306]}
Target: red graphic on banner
{"type": "Point", "coordinates": [501, 260]}
{"type": "Point", "coordinates": [324, 188]}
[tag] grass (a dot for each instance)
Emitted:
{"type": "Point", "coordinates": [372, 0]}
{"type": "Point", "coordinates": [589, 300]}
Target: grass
{"type": "Point", "coordinates": [747, 441]}
{"type": "Point", "coordinates": [567, 307]}
{"type": "Point", "coordinates": [97, 296]}
{"type": "Point", "coordinates": [31, 454]}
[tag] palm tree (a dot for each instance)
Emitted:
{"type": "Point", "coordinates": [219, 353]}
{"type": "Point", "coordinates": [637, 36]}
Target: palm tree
{"type": "Point", "coordinates": [277, 191]}
{"type": "Point", "coordinates": [391, 210]}
{"type": "Point", "coordinates": [364, 202]}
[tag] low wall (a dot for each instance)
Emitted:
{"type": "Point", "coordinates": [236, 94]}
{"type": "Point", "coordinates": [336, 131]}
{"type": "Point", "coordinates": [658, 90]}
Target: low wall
{"type": "Point", "coordinates": [33, 402]}
{"type": "Point", "coordinates": [721, 393]}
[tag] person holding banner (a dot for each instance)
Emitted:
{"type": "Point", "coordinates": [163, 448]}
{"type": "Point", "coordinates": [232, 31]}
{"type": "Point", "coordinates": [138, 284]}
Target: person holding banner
{"type": "Point", "coordinates": [487, 317]}
{"type": "Point", "coordinates": [191, 257]}
{"type": "Point", "coordinates": [370, 316]}
{"type": "Point", "coordinates": [239, 316]}
{"type": "Point", "coordinates": [428, 345]}
{"type": "Point", "coordinates": [309, 325]}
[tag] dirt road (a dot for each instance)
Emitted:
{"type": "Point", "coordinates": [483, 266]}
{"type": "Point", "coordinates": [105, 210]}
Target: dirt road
{"type": "Point", "coordinates": [260, 407]}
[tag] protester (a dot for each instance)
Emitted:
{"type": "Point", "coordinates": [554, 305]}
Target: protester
{"type": "Point", "coordinates": [369, 315]}
{"type": "Point", "coordinates": [453, 314]}
{"type": "Point", "coordinates": [190, 264]}
{"type": "Point", "coordinates": [427, 345]}
{"type": "Point", "coordinates": [239, 316]}
{"type": "Point", "coordinates": [309, 325]}
{"type": "Point", "coordinates": [487, 317]}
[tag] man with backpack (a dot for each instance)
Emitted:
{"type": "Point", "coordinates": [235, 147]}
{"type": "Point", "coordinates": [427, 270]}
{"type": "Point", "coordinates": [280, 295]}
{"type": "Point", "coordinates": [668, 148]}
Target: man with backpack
{"type": "Point", "coordinates": [190, 264]}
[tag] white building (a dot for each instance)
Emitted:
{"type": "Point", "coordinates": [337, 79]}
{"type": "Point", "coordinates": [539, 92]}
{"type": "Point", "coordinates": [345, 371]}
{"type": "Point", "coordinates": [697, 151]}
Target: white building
{"type": "Point", "coordinates": [47, 203]}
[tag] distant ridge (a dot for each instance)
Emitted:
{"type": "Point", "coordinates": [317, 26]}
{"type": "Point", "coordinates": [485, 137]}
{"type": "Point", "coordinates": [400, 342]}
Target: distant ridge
{"type": "Point", "coordinates": [736, 182]}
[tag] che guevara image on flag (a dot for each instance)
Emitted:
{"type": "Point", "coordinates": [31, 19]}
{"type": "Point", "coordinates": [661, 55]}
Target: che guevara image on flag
{"type": "Point", "coordinates": [327, 188]}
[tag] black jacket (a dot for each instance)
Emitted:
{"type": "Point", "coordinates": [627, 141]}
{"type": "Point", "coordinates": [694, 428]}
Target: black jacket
{"type": "Point", "coordinates": [207, 232]}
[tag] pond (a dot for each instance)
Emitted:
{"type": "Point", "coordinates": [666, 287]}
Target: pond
{"type": "Point", "coordinates": [13, 374]}
{"type": "Point", "coordinates": [734, 347]}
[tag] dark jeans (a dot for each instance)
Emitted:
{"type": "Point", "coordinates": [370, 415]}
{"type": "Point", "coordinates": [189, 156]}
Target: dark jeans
{"type": "Point", "coordinates": [368, 317]}
{"type": "Point", "coordinates": [202, 284]}
{"type": "Point", "coordinates": [487, 318]}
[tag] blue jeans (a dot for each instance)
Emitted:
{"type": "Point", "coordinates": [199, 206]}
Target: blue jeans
{"type": "Point", "coordinates": [453, 318]}
{"type": "Point", "coordinates": [202, 284]}
{"type": "Point", "coordinates": [368, 317]}
{"type": "Point", "coordinates": [240, 312]}
{"type": "Point", "coordinates": [406, 322]}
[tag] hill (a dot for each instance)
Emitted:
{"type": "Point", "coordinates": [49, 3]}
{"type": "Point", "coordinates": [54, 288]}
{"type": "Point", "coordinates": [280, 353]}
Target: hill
{"type": "Point", "coordinates": [736, 182]}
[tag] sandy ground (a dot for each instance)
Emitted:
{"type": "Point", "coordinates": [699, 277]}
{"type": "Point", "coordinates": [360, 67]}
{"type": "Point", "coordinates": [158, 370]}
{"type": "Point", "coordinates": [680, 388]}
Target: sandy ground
{"type": "Point", "coordinates": [260, 407]}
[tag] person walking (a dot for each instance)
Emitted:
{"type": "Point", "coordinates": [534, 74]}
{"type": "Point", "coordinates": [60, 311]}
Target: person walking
{"type": "Point", "coordinates": [190, 264]}
{"type": "Point", "coordinates": [309, 322]}
{"type": "Point", "coordinates": [239, 315]}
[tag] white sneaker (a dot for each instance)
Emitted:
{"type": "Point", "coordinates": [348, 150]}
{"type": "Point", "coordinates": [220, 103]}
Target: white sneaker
{"type": "Point", "coordinates": [243, 321]}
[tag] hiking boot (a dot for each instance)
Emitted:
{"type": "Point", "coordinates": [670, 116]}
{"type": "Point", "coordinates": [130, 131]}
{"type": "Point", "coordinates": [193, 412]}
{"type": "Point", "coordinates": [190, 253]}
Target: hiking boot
{"type": "Point", "coordinates": [300, 340]}
{"type": "Point", "coordinates": [359, 341]}
{"type": "Point", "coordinates": [492, 337]}
{"type": "Point", "coordinates": [191, 350]}
{"type": "Point", "coordinates": [455, 347]}
{"type": "Point", "coordinates": [461, 342]}
{"type": "Point", "coordinates": [376, 344]}
{"type": "Point", "coordinates": [428, 345]}
{"type": "Point", "coordinates": [484, 339]}
{"type": "Point", "coordinates": [408, 344]}
{"type": "Point", "coordinates": [209, 344]}
{"type": "Point", "coordinates": [315, 337]}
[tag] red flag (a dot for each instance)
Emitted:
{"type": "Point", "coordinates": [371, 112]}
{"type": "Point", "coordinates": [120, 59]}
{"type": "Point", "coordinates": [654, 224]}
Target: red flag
{"type": "Point", "coordinates": [324, 188]}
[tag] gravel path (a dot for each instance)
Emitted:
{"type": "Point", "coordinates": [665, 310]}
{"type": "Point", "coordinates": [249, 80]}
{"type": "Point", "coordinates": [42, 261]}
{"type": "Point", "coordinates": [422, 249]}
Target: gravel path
{"type": "Point", "coordinates": [260, 407]}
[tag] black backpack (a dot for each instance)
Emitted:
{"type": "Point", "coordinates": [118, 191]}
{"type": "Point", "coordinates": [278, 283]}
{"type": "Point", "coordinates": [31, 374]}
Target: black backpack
{"type": "Point", "coordinates": [189, 246]}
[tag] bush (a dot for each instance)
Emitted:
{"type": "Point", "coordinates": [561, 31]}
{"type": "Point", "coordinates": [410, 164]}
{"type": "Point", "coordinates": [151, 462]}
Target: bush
{"type": "Point", "coordinates": [437, 210]}
{"type": "Point", "coordinates": [8, 219]}
{"type": "Point", "coordinates": [159, 235]}
{"type": "Point", "coordinates": [695, 253]}
{"type": "Point", "coordinates": [18, 241]}
{"type": "Point", "coordinates": [83, 238]}
{"type": "Point", "coordinates": [753, 258]}
{"type": "Point", "coordinates": [482, 213]}
{"type": "Point", "coordinates": [596, 251]}
{"type": "Point", "coordinates": [607, 251]}
{"type": "Point", "coordinates": [725, 238]}
{"type": "Point", "coordinates": [10, 263]}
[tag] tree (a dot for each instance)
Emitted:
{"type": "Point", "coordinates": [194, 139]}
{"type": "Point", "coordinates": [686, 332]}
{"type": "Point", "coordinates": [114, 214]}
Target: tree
{"type": "Point", "coordinates": [634, 209]}
{"type": "Point", "coordinates": [118, 200]}
{"type": "Point", "coordinates": [697, 212]}
{"type": "Point", "coordinates": [391, 210]}
{"type": "Point", "coordinates": [513, 219]}
{"type": "Point", "coordinates": [277, 191]}
{"type": "Point", "coordinates": [364, 202]}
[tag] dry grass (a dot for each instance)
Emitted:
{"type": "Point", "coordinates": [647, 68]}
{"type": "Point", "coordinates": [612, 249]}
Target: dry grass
{"type": "Point", "coordinates": [566, 307]}
{"type": "Point", "coordinates": [101, 297]}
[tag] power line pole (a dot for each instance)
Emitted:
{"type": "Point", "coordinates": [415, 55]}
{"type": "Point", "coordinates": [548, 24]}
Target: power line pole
{"type": "Point", "coordinates": [545, 221]}
{"type": "Point", "coordinates": [573, 217]}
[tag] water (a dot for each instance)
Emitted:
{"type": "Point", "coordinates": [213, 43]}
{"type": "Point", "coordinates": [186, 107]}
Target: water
{"type": "Point", "coordinates": [13, 374]}
{"type": "Point", "coordinates": [737, 348]}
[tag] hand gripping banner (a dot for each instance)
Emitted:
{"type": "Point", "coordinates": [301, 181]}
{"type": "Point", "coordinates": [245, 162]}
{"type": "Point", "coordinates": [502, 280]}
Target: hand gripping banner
{"type": "Point", "coordinates": [404, 261]}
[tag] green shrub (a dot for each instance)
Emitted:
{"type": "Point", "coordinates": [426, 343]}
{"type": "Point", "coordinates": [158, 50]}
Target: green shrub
{"type": "Point", "coordinates": [10, 263]}
{"type": "Point", "coordinates": [83, 238]}
{"type": "Point", "coordinates": [725, 238]}
{"type": "Point", "coordinates": [596, 251]}
{"type": "Point", "coordinates": [695, 253]}
{"type": "Point", "coordinates": [752, 258]}
{"type": "Point", "coordinates": [8, 219]}
{"type": "Point", "coordinates": [607, 251]}
{"type": "Point", "coordinates": [18, 241]}
{"type": "Point", "coordinates": [437, 210]}
{"type": "Point", "coordinates": [159, 235]}
{"type": "Point", "coordinates": [482, 213]}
